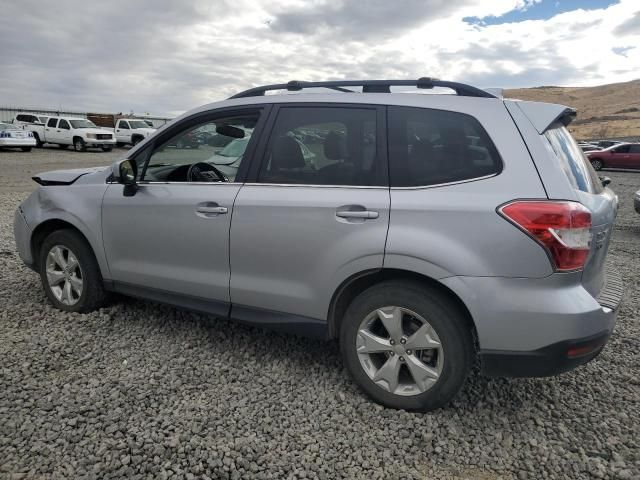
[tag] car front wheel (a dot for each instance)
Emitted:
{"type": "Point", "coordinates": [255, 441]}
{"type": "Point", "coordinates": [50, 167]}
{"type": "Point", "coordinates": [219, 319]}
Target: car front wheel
{"type": "Point", "coordinates": [79, 145]}
{"type": "Point", "coordinates": [407, 346]}
{"type": "Point", "coordinates": [70, 274]}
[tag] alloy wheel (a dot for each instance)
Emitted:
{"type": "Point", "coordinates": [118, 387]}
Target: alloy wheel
{"type": "Point", "coordinates": [64, 275]}
{"type": "Point", "coordinates": [399, 350]}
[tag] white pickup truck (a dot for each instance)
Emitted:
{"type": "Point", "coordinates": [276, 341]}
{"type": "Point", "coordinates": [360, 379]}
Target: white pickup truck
{"type": "Point", "coordinates": [66, 131]}
{"type": "Point", "coordinates": [131, 131]}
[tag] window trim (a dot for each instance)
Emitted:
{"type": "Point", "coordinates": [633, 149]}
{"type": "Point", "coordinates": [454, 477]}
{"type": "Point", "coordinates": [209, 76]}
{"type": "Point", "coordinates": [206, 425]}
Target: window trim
{"type": "Point", "coordinates": [455, 182]}
{"type": "Point", "coordinates": [381, 144]}
{"type": "Point", "coordinates": [202, 118]}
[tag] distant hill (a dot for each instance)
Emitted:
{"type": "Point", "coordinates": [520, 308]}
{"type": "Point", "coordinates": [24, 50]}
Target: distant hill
{"type": "Point", "coordinates": [605, 111]}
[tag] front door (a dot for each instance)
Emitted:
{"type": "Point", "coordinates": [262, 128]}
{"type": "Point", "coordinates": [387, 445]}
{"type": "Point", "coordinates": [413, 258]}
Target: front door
{"type": "Point", "coordinates": [314, 212]}
{"type": "Point", "coordinates": [63, 132]}
{"type": "Point", "coordinates": [171, 239]}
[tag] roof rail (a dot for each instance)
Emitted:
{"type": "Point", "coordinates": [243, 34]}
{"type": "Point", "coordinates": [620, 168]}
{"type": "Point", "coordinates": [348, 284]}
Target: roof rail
{"type": "Point", "coordinates": [368, 86]}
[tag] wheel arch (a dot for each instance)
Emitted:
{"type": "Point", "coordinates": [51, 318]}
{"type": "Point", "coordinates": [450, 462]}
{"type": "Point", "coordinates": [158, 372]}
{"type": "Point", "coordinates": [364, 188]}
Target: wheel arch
{"type": "Point", "coordinates": [44, 229]}
{"type": "Point", "coordinates": [359, 282]}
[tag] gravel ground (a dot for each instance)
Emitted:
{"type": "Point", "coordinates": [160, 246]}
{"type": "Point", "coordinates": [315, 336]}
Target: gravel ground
{"type": "Point", "coordinates": [141, 390]}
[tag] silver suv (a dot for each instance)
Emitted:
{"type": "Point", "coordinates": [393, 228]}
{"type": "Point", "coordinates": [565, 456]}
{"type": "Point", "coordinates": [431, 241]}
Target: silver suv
{"type": "Point", "coordinates": [424, 232]}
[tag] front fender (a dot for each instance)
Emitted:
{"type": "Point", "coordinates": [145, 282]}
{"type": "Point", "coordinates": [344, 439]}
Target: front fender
{"type": "Point", "coordinates": [78, 205]}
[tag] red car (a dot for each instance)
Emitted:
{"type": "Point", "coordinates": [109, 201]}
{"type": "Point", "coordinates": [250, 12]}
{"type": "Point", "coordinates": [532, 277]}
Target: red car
{"type": "Point", "coordinates": [626, 155]}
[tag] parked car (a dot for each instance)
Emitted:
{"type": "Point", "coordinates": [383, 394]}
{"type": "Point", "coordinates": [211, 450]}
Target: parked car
{"type": "Point", "coordinates": [608, 143]}
{"type": "Point", "coordinates": [434, 230]}
{"type": "Point", "coordinates": [131, 131]}
{"type": "Point", "coordinates": [625, 155]}
{"type": "Point", "coordinates": [13, 137]}
{"type": "Point", "coordinates": [23, 120]}
{"type": "Point", "coordinates": [78, 132]}
{"type": "Point", "coordinates": [588, 147]}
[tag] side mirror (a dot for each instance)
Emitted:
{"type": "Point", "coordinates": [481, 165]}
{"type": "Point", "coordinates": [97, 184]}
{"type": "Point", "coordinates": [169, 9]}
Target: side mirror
{"type": "Point", "coordinates": [126, 172]}
{"type": "Point", "coordinates": [230, 131]}
{"type": "Point", "coordinates": [605, 181]}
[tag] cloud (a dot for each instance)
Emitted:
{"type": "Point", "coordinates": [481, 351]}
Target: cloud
{"type": "Point", "coordinates": [166, 56]}
{"type": "Point", "coordinates": [630, 26]}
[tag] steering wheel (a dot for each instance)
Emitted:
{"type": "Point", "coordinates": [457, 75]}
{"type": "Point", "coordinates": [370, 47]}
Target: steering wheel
{"type": "Point", "coordinates": [205, 172]}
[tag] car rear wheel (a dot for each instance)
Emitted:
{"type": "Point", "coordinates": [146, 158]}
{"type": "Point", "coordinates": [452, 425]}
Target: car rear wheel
{"type": "Point", "coordinates": [406, 346]}
{"type": "Point", "coordinates": [79, 145]}
{"type": "Point", "coordinates": [597, 164]}
{"type": "Point", "coordinates": [70, 274]}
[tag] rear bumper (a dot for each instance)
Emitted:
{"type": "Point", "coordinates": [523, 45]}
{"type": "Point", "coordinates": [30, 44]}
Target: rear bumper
{"type": "Point", "coordinates": [538, 327]}
{"type": "Point", "coordinates": [547, 361]}
{"type": "Point", "coordinates": [17, 142]}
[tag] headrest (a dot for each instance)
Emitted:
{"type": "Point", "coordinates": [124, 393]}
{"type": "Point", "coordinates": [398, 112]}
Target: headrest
{"type": "Point", "coordinates": [335, 147]}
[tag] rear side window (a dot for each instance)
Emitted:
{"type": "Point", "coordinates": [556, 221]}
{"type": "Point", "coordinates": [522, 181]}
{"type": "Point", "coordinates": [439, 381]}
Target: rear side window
{"type": "Point", "coordinates": [52, 122]}
{"type": "Point", "coordinates": [573, 161]}
{"type": "Point", "coordinates": [322, 146]}
{"type": "Point", "coordinates": [431, 147]}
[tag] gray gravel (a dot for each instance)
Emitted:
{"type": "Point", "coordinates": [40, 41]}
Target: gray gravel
{"type": "Point", "coordinates": [141, 390]}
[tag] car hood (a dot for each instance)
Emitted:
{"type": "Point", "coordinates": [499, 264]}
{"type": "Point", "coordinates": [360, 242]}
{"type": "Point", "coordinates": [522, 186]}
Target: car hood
{"type": "Point", "coordinates": [64, 177]}
{"type": "Point", "coordinates": [94, 130]}
{"type": "Point", "coordinates": [146, 131]}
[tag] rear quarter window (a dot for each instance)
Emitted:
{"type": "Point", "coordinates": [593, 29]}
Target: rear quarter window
{"type": "Point", "coordinates": [572, 160]}
{"type": "Point", "coordinates": [432, 147]}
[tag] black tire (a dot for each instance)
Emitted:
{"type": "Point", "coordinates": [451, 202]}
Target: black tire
{"type": "Point", "coordinates": [443, 315]}
{"type": "Point", "coordinates": [107, 149]}
{"type": "Point", "coordinates": [79, 145]}
{"type": "Point", "coordinates": [136, 140]}
{"type": "Point", "coordinates": [93, 294]}
{"type": "Point", "coordinates": [38, 142]}
{"type": "Point", "coordinates": [597, 164]}
{"type": "Point", "coordinates": [25, 149]}
{"type": "Point", "coordinates": [119, 144]}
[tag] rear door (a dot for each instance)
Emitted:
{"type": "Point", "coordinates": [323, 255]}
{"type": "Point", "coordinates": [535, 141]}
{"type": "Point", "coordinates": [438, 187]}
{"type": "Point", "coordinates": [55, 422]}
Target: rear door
{"type": "Point", "coordinates": [589, 190]}
{"type": "Point", "coordinates": [634, 153]}
{"type": "Point", "coordinates": [50, 130]}
{"type": "Point", "coordinates": [619, 157]}
{"type": "Point", "coordinates": [315, 211]}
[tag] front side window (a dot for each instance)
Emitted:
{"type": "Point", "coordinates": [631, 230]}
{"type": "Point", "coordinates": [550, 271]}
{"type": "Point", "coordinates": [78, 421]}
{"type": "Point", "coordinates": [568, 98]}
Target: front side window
{"type": "Point", "coordinates": [192, 156]}
{"type": "Point", "coordinates": [135, 124]}
{"type": "Point", "coordinates": [622, 149]}
{"type": "Point", "coordinates": [63, 124]}
{"type": "Point", "coordinates": [431, 147]}
{"type": "Point", "coordinates": [322, 146]}
{"type": "Point", "coordinates": [52, 122]}
{"type": "Point", "coordinates": [124, 125]}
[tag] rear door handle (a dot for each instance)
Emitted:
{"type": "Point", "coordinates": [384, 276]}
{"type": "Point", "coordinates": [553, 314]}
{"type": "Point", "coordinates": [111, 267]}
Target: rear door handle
{"type": "Point", "coordinates": [357, 214]}
{"type": "Point", "coordinates": [210, 209]}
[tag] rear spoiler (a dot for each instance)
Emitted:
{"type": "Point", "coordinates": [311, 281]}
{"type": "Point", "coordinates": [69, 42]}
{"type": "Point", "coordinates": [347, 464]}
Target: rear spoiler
{"type": "Point", "coordinates": [544, 115]}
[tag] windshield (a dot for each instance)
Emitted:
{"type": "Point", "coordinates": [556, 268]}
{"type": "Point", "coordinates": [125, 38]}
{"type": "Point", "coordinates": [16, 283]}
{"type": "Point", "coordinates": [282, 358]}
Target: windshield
{"type": "Point", "coordinates": [82, 124]}
{"type": "Point", "coordinates": [138, 124]}
{"type": "Point", "coordinates": [235, 149]}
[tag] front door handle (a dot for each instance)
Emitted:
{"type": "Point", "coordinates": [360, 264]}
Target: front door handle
{"type": "Point", "coordinates": [210, 209]}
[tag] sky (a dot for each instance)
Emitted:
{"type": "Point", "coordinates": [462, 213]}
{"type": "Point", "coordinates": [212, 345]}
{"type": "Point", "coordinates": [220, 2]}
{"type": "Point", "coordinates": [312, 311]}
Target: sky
{"type": "Point", "coordinates": [164, 57]}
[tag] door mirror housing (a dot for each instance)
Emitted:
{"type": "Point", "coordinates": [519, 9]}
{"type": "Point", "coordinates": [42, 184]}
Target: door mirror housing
{"type": "Point", "coordinates": [605, 181]}
{"type": "Point", "coordinates": [126, 172]}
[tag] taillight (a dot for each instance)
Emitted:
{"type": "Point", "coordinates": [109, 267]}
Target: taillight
{"type": "Point", "coordinates": [563, 228]}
